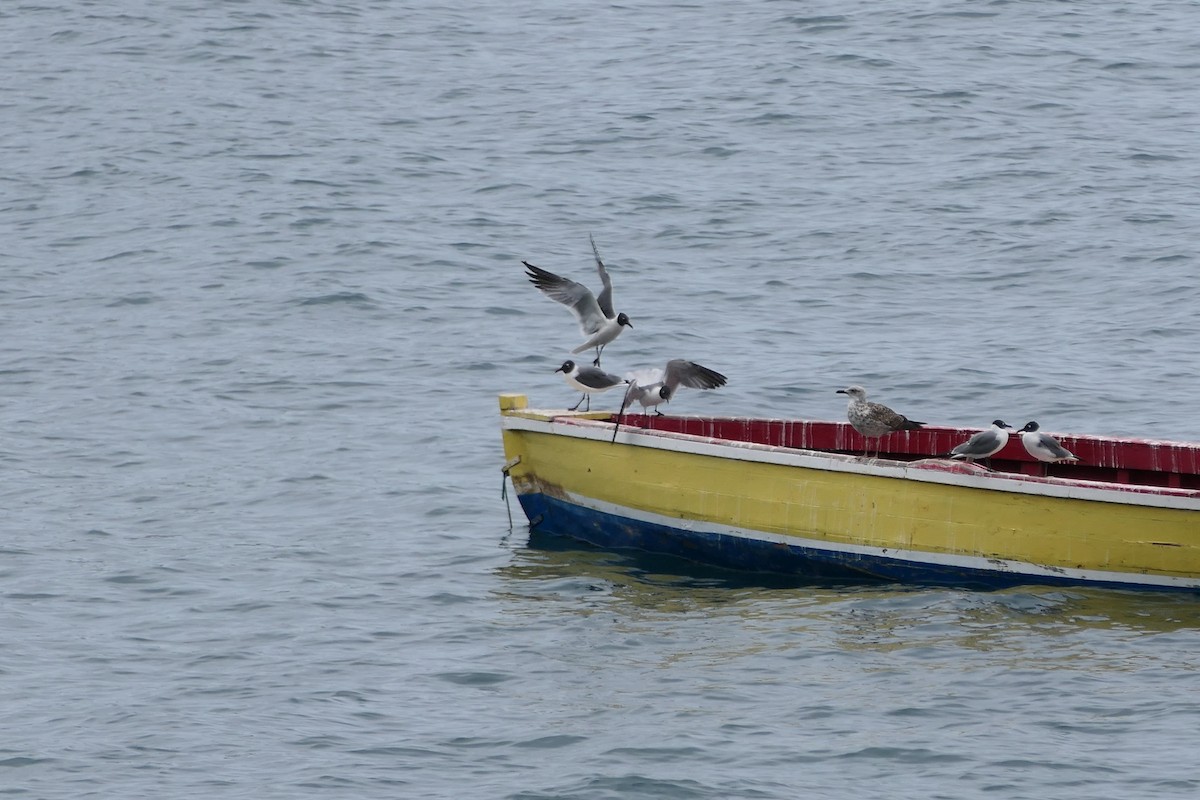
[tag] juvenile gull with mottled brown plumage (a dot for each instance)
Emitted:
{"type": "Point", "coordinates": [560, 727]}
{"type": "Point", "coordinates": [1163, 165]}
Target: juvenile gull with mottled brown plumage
{"type": "Point", "coordinates": [873, 420]}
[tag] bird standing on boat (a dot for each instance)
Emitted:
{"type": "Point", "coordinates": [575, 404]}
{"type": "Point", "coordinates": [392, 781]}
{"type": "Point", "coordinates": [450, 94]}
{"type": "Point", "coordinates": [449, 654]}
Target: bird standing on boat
{"type": "Point", "coordinates": [652, 387]}
{"type": "Point", "coordinates": [984, 444]}
{"type": "Point", "coordinates": [589, 380]}
{"type": "Point", "coordinates": [598, 321]}
{"type": "Point", "coordinates": [1043, 446]}
{"type": "Point", "coordinates": [873, 420]}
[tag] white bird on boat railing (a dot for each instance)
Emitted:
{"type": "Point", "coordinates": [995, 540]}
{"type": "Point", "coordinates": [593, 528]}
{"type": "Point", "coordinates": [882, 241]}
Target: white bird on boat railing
{"type": "Point", "coordinates": [1043, 446]}
{"type": "Point", "coordinates": [873, 420]}
{"type": "Point", "coordinates": [589, 380]}
{"type": "Point", "coordinates": [598, 321]}
{"type": "Point", "coordinates": [652, 387]}
{"type": "Point", "coordinates": [984, 444]}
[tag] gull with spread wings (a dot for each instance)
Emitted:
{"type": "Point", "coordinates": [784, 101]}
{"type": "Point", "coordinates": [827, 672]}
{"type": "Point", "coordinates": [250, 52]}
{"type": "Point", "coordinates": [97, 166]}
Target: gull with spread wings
{"type": "Point", "coordinates": [598, 321]}
{"type": "Point", "coordinates": [652, 387]}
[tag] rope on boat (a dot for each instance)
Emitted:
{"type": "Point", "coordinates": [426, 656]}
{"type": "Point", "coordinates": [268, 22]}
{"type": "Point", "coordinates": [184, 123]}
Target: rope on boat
{"type": "Point", "coordinates": [508, 465]}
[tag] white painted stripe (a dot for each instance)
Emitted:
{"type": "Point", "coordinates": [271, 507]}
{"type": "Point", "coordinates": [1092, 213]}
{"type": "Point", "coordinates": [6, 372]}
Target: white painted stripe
{"type": "Point", "coordinates": [917, 557]}
{"type": "Point", "coordinates": [1160, 497]}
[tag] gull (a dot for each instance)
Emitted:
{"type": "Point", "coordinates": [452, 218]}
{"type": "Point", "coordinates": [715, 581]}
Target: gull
{"type": "Point", "coordinates": [589, 380]}
{"type": "Point", "coordinates": [598, 321]}
{"type": "Point", "coordinates": [1043, 446]}
{"type": "Point", "coordinates": [984, 444]}
{"type": "Point", "coordinates": [873, 420]}
{"type": "Point", "coordinates": [651, 387]}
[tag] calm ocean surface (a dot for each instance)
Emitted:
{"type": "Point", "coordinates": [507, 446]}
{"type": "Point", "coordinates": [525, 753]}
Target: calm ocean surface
{"type": "Point", "coordinates": [262, 285]}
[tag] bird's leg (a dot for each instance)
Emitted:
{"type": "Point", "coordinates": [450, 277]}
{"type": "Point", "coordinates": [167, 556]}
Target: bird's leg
{"type": "Point", "coordinates": [577, 405]}
{"type": "Point", "coordinates": [659, 413]}
{"type": "Point", "coordinates": [599, 350]}
{"type": "Point", "coordinates": [589, 402]}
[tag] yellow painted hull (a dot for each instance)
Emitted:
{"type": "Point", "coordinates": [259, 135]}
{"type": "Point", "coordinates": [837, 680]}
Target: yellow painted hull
{"type": "Point", "coordinates": [848, 510]}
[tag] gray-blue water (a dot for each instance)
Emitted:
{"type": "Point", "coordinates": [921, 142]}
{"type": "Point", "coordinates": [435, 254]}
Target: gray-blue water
{"type": "Point", "coordinates": [262, 284]}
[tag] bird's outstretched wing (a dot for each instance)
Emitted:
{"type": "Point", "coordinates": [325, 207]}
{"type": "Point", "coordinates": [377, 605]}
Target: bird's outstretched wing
{"type": "Point", "coordinates": [681, 372]}
{"type": "Point", "coordinates": [605, 298]}
{"type": "Point", "coordinates": [634, 393]}
{"type": "Point", "coordinates": [645, 377]}
{"type": "Point", "coordinates": [574, 296]}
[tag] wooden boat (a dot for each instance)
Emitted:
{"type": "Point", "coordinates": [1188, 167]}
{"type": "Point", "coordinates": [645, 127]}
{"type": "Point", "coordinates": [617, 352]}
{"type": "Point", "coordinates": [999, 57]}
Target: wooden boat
{"type": "Point", "coordinates": [797, 497]}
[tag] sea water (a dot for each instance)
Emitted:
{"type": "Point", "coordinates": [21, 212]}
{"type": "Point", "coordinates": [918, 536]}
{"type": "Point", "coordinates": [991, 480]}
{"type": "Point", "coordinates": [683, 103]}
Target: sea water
{"type": "Point", "coordinates": [262, 285]}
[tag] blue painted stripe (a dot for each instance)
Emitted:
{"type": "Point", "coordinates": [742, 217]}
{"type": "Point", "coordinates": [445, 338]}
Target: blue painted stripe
{"type": "Point", "coordinates": [611, 531]}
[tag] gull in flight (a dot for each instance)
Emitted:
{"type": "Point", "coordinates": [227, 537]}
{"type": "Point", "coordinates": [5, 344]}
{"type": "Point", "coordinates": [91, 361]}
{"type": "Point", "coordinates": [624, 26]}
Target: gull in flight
{"type": "Point", "coordinates": [652, 387]}
{"type": "Point", "coordinates": [598, 321]}
{"type": "Point", "coordinates": [589, 380]}
{"type": "Point", "coordinates": [873, 420]}
{"type": "Point", "coordinates": [984, 444]}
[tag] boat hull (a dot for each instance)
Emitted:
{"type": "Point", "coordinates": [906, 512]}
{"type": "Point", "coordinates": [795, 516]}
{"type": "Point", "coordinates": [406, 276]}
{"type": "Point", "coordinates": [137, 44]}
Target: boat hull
{"type": "Point", "coordinates": [839, 517]}
{"type": "Point", "coordinates": [736, 550]}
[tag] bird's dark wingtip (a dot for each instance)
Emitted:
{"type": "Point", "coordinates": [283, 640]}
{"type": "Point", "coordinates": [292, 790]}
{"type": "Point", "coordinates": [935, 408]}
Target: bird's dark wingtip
{"type": "Point", "coordinates": [712, 376]}
{"type": "Point", "coordinates": [537, 276]}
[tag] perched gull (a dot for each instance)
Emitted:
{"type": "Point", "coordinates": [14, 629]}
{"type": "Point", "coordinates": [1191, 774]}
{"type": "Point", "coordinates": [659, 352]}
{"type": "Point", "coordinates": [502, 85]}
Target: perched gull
{"type": "Point", "coordinates": [589, 380]}
{"type": "Point", "coordinates": [597, 319]}
{"type": "Point", "coordinates": [1043, 446]}
{"type": "Point", "coordinates": [873, 420]}
{"type": "Point", "coordinates": [651, 387]}
{"type": "Point", "coordinates": [983, 444]}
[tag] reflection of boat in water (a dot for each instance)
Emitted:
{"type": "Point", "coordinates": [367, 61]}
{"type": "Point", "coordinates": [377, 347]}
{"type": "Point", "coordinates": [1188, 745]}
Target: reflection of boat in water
{"type": "Point", "coordinates": [792, 496]}
{"type": "Point", "coordinates": [857, 615]}
{"type": "Point", "coordinates": [558, 556]}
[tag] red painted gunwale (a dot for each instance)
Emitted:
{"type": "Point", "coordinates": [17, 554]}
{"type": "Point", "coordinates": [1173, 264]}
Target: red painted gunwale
{"type": "Point", "coordinates": [1140, 464]}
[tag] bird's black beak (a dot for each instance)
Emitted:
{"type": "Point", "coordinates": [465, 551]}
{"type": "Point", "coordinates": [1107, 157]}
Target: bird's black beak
{"type": "Point", "coordinates": [840, 391]}
{"type": "Point", "coordinates": [560, 369]}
